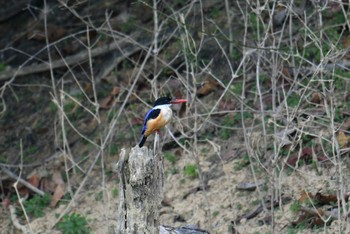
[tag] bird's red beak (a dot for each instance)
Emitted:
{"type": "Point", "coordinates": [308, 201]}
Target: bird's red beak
{"type": "Point", "coordinates": [178, 101]}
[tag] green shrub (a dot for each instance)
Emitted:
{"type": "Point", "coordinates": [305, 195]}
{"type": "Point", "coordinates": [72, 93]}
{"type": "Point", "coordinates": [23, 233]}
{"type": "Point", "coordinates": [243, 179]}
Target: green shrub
{"type": "Point", "coordinates": [36, 205]}
{"type": "Point", "coordinates": [73, 224]}
{"type": "Point", "coordinates": [191, 171]}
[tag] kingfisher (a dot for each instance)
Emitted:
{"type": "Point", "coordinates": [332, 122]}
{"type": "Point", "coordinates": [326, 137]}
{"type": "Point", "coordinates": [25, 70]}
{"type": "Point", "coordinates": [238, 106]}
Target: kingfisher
{"type": "Point", "coordinates": [158, 117]}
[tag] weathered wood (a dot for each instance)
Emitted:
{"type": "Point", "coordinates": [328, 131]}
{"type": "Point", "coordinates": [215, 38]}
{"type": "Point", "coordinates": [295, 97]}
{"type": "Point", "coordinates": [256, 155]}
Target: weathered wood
{"type": "Point", "coordinates": [141, 191]}
{"type": "Point", "coordinates": [189, 229]}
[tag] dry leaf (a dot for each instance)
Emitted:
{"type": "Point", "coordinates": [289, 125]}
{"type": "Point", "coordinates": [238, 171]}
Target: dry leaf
{"type": "Point", "coordinates": [206, 87]}
{"type": "Point", "coordinates": [108, 101]}
{"type": "Point", "coordinates": [33, 180]}
{"type": "Point", "coordinates": [57, 195]}
{"type": "Point", "coordinates": [311, 215]}
{"type": "Point", "coordinates": [47, 185]}
{"type": "Point", "coordinates": [57, 177]}
{"type": "Point", "coordinates": [305, 154]}
{"type": "Point", "coordinates": [342, 139]}
{"type": "Point", "coordinates": [286, 73]}
{"type": "Point", "coordinates": [322, 199]}
{"type": "Point", "coordinates": [316, 98]}
{"type": "Point", "coordinates": [305, 196]}
{"type": "Point", "coordinates": [59, 189]}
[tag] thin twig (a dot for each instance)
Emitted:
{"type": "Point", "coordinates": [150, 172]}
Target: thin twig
{"type": "Point", "coordinates": [22, 181]}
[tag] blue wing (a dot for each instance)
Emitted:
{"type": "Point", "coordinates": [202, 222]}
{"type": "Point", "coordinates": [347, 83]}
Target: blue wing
{"type": "Point", "coordinates": [152, 114]}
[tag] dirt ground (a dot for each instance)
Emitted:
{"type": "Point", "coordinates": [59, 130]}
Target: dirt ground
{"type": "Point", "coordinates": [261, 146]}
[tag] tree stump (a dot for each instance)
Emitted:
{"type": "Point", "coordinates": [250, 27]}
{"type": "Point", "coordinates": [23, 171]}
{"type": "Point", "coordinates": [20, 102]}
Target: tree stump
{"type": "Point", "coordinates": [141, 191]}
{"type": "Point", "coordinates": [141, 194]}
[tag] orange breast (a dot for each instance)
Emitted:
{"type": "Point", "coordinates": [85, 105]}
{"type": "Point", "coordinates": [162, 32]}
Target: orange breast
{"type": "Point", "coordinates": [154, 125]}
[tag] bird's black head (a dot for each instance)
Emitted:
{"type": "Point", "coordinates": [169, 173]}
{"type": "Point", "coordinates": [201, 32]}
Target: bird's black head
{"type": "Point", "coordinates": [162, 101]}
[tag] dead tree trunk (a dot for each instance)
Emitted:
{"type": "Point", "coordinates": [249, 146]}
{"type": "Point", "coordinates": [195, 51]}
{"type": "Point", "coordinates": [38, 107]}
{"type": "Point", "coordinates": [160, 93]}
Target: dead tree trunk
{"type": "Point", "coordinates": [141, 191]}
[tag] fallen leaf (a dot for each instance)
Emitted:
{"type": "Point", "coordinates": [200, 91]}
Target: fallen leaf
{"type": "Point", "coordinates": [305, 196]}
{"type": "Point", "coordinates": [316, 98]}
{"type": "Point", "coordinates": [33, 180]}
{"type": "Point", "coordinates": [57, 177]}
{"type": "Point", "coordinates": [305, 154]}
{"type": "Point", "coordinates": [108, 101]}
{"type": "Point", "coordinates": [323, 199]}
{"type": "Point", "coordinates": [47, 185]}
{"type": "Point", "coordinates": [342, 139]}
{"type": "Point", "coordinates": [57, 195]}
{"type": "Point", "coordinates": [315, 217]}
{"type": "Point", "coordinates": [286, 73]}
{"type": "Point", "coordinates": [59, 189]}
{"type": "Point", "coordinates": [207, 87]}
{"type": "Point", "coordinates": [320, 199]}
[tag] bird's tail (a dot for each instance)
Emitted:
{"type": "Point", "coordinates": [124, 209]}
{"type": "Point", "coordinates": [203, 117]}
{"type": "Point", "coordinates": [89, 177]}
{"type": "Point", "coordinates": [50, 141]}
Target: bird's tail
{"type": "Point", "coordinates": [142, 141]}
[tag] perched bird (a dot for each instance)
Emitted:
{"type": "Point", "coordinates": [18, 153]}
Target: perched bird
{"type": "Point", "coordinates": [158, 117]}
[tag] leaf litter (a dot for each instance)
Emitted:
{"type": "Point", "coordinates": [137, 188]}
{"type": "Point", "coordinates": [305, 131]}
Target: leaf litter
{"type": "Point", "coordinates": [223, 200]}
